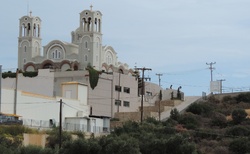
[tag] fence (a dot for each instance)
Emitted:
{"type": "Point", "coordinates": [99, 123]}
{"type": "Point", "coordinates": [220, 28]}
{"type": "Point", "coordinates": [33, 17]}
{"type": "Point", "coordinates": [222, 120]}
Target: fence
{"type": "Point", "coordinates": [44, 125]}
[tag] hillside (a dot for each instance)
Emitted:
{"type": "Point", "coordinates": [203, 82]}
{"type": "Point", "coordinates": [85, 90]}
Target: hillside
{"type": "Point", "coordinates": [218, 125]}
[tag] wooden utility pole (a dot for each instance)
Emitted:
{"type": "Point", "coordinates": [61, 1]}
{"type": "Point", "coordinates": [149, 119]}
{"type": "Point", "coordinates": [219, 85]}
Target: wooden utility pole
{"type": "Point", "coordinates": [160, 96]}
{"type": "Point", "coordinates": [142, 89]}
{"type": "Point", "coordinates": [159, 76]}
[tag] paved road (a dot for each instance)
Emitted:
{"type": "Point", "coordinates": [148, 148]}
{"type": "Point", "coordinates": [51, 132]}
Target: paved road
{"type": "Point", "coordinates": [188, 100]}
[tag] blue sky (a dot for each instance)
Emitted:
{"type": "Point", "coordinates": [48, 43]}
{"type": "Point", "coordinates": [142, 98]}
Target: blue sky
{"type": "Point", "coordinates": [173, 37]}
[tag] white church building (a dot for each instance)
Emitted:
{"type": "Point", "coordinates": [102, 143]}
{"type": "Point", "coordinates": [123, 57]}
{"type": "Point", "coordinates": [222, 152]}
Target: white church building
{"type": "Point", "coordinates": [85, 48]}
{"type": "Point", "coordinates": [61, 62]}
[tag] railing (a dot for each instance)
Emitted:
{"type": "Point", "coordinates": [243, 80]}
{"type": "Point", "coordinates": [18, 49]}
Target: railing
{"type": "Point", "coordinates": [43, 125]}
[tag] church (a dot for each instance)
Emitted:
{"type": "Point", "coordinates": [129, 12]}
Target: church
{"type": "Point", "coordinates": [85, 48]}
{"type": "Point", "coordinates": [60, 63]}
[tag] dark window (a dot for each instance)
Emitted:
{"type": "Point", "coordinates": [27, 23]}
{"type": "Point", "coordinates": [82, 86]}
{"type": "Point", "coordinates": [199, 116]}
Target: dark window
{"type": "Point", "coordinates": [126, 90]}
{"type": "Point", "coordinates": [118, 88]}
{"type": "Point", "coordinates": [118, 102]}
{"type": "Point", "coordinates": [126, 103]}
{"type": "Point", "coordinates": [149, 93]}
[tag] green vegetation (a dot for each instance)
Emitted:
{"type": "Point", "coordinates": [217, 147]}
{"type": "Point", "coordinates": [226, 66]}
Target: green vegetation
{"type": "Point", "coordinates": [13, 74]}
{"type": "Point", "coordinates": [203, 128]}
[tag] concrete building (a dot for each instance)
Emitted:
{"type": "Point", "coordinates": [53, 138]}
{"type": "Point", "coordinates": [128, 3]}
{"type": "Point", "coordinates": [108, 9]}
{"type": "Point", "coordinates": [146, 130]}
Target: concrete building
{"type": "Point", "coordinates": [42, 111]}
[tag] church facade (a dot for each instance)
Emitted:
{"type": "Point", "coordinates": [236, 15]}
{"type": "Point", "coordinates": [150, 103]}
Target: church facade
{"type": "Point", "coordinates": [85, 48]}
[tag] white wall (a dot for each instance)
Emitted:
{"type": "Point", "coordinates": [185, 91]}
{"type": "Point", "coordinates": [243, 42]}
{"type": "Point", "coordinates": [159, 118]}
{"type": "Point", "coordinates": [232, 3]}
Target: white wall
{"type": "Point", "coordinates": [38, 107]}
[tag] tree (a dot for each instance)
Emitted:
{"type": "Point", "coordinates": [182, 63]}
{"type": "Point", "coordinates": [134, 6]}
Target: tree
{"type": "Point", "coordinates": [238, 115]}
{"type": "Point", "coordinates": [174, 114]}
{"type": "Point", "coordinates": [53, 138]}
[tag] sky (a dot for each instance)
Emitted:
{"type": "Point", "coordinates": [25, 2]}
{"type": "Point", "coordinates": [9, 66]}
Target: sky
{"type": "Point", "coordinates": [175, 38]}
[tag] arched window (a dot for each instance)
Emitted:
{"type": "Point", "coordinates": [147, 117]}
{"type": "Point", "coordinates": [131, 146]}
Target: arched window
{"type": "Point", "coordinates": [86, 44]}
{"type": "Point", "coordinates": [56, 54]}
{"type": "Point", "coordinates": [24, 60]}
{"type": "Point", "coordinates": [25, 48]}
{"type": "Point", "coordinates": [85, 57]}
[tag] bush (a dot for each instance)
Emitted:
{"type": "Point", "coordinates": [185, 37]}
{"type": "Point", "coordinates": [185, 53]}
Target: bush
{"type": "Point", "coordinates": [189, 120]}
{"type": "Point", "coordinates": [238, 131]}
{"type": "Point", "coordinates": [31, 149]}
{"type": "Point", "coordinates": [229, 99]}
{"type": "Point", "coordinates": [219, 120]}
{"type": "Point", "coordinates": [240, 146]}
{"type": "Point", "coordinates": [53, 138]}
{"type": "Point", "coordinates": [243, 97]}
{"type": "Point", "coordinates": [199, 109]}
{"type": "Point", "coordinates": [239, 115]}
{"type": "Point", "coordinates": [30, 74]}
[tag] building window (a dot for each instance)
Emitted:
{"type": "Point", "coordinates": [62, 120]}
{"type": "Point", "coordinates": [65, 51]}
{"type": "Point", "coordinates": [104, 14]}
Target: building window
{"type": "Point", "coordinates": [56, 54]}
{"type": "Point", "coordinates": [148, 93]}
{"type": "Point", "coordinates": [96, 58]}
{"type": "Point", "coordinates": [86, 45]}
{"type": "Point", "coordinates": [118, 88]}
{"type": "Point", "coordinates": [117, 102]}
{"type": "Point", "coordinates": [85, 57]}
{"type": "Point", "coordinates": [126, 90]}
{"type": "Point", "coordinates": [126, 103]}
{"type": "Point", "coordinates": [25, 49]}
{"type": "Point", "coordinates": [24, 60]}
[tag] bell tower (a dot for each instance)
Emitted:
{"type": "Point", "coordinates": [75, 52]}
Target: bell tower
{"type": "Point", "coordinates": [89, 38]}
{"type": "Point", "coordinates": [29, 40]}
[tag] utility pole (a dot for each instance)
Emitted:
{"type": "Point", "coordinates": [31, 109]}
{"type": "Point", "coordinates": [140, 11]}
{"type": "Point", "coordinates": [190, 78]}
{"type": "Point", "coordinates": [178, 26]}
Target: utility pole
{"type": "Point", "coordinates": [211, 68]}
{"type": "Point", "coordinates": [159, 76]}
{"type": "Point", "coordinates": [221, 84]}
{"type": "Point", "coordinates": [0, 86]}
{"type": "Point", "coordinates": [15, 98]}
{"type": "Point", "coordinates": [160, 96]}
{"type": "Point", "coordinates": [143, 88]}
{"type": "Point", "coordinates": [60, 125]}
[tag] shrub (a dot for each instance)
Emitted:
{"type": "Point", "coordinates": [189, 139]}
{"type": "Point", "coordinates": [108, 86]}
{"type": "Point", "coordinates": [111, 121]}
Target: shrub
{"type": "Point", "coordinates": [189, 120]}
{"type": "Point", "coordinates": [239, 115]}
{"type": "Point", "coordinates": [53, 138]}
{"type": "Point", "coordinates": [218, 119]}
{"type": "Point", "coordinates": [243, 97]}
{"type": "Point", "coordinates": [30, 74]}
{"type": "Point", "coordinates": [31, 149]}
{"type": "Point", "coordinates": [199, 109]}
{"type": "Point", "coordinates": [174, 114]}
{"type": "Point", "coordinates": [240, 146]}
{"type": "Point", "coordinates": [8, 74]}
{"type": "Point", "coordinates": [229, 99]}
{"type": "Point", "coordinates": [238, 131]}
